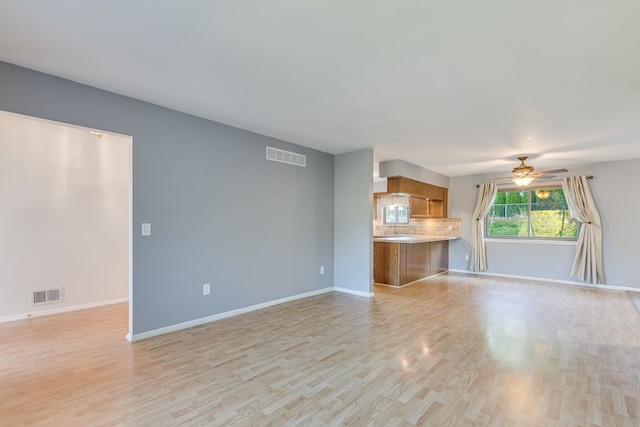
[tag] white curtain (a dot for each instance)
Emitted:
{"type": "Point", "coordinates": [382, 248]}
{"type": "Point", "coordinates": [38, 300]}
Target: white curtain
{"type": "Point", "coordinates": [587, 263]}
{"type": "Point", "coordinates": [486, 196]}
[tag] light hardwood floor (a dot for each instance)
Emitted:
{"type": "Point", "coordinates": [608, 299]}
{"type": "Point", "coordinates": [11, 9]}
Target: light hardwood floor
{"type": "Point", "coordinates": [455, 350]}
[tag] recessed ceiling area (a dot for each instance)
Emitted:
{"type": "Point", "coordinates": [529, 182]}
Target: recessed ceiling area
{"type": "Point", "coordinates": [459, 88]}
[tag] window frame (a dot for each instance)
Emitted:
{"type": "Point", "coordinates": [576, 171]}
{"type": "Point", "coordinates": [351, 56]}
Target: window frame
{"type": "Point", "coordinates": [540, 239]}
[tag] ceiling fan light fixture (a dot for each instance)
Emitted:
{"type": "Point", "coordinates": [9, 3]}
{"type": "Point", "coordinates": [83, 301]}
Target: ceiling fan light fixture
{"type": "Point", "coordinates": [524, 174]}
{"type": "Point", "coordinates": [523, 181]}
{"type": "Point", "coordinates": [543, 194]}
{"type": "Point", "coordinates": [522, 169]}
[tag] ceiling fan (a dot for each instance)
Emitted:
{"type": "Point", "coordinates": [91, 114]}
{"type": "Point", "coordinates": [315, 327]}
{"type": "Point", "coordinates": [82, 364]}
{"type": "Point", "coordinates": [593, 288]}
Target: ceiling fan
{"type": "Point", "coordinates": [523, 174]}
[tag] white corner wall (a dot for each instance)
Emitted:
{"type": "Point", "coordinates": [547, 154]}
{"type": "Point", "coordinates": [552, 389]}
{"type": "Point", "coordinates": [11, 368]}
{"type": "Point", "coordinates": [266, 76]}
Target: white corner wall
{"type": "Point", "coordinates": [64, 215]}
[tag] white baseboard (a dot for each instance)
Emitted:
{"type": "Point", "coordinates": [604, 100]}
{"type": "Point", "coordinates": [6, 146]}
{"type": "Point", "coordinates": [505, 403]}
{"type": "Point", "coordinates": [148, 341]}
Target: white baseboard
{"type": "Point", "coordinates": [61, 310]}
{"type": "Point", "coordinates": [208, 319]}
{"type": "Point", "coordinates": [352, 292]}
{"type": "Point", "coordinates": [203, 320]}
{"type": "Point", "coordinates": [542, 279]}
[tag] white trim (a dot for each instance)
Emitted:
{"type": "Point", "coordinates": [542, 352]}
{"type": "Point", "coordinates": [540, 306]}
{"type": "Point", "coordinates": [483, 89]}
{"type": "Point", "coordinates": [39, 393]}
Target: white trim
{"type": "Point", "coordinates": [208, 319]}
{"type": "Point", "coordinates": [130, 240]}
{"type": "Point", "coordinates": [353, 292]}
{"type": "Point", "coordinates": [573, 242]}
{"type": "Point", "coordinates": [542, 279]}
{"type": "Point", "coordinates": [61, 310]}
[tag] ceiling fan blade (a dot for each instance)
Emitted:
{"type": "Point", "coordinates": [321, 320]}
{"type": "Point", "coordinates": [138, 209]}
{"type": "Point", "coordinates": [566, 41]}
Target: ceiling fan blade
{"type": "Point", "coordinates": [546, 176]}
{"type": "Point", "coordinates": [553, 171]}
{"type": "Point", "coordinates": [502, 178]}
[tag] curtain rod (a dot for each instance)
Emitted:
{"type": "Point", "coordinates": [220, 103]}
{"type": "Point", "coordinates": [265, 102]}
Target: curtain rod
{"type": "Point", "coordinates": [551, 180]}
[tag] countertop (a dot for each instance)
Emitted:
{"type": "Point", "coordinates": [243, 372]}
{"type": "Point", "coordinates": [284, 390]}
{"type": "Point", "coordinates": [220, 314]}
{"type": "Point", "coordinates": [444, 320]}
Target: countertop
{"type": "Point", "coordinates": [412, 239]}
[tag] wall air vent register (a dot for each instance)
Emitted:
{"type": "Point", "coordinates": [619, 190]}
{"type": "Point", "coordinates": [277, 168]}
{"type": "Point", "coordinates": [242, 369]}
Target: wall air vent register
{"type": "Point", "coordinates": [46, 296]}
{"type": "Point", "coordinates": [288, 157]}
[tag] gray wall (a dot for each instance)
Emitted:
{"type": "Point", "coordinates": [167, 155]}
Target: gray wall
{"type": "Point", "coordinates": [614, 192]}
{"type": "Point", "coordinates": [220, 213]}
{"type": "Point", "coordinates": [354, 221]}
{"type": "Point", "coordinates": [409, 170]}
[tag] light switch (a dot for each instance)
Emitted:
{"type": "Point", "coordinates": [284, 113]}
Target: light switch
{"type": "Point", "coordinates": [146, 229]}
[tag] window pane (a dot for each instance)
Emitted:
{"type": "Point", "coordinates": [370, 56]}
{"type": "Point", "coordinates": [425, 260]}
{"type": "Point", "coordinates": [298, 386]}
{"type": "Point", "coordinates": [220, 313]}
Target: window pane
{"type": "Point", "coordinates": [509, 215]}
{"type": "Point", "coordinates": [396, 214]}
{"type": "Point", "coordinates": [500, 224]}
{"type": "Point", "coordinates": [390, 215]}
{"type": "Point", "coordinates": [403, 214]}
{"type": "Point", "coordinates": [550, 216]}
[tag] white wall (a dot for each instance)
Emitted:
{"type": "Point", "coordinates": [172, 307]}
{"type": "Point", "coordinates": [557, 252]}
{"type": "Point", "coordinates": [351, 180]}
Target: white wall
{"type": "Point", "coordinates": [614, 191]}
{"type": "Point", "coordinates": [64, 214]}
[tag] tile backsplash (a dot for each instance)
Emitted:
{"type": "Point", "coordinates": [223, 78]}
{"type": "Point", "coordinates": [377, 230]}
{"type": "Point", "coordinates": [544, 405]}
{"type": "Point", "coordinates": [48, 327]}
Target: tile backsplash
{"type": "Point", "coordinates": [422, 226]}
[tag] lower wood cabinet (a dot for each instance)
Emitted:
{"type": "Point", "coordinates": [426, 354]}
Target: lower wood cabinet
{"type": "Point", "coordinates": [397, 264]}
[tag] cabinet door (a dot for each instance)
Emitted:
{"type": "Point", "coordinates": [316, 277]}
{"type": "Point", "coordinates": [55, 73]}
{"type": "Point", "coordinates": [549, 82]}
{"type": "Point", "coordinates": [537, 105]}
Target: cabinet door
{"type": "Point", "coordinates": [436, 209]}
{"type": "Point", "coordinates": [439, 257]}
{"type": "Point", "coordinates": [434, 193]}
{"type": "Point", "coordinates": [418, 208]}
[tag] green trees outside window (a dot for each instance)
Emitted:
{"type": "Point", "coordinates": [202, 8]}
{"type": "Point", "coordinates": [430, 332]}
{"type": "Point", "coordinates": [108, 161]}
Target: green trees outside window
{"type": "Point", "coordinates": [529, 214]}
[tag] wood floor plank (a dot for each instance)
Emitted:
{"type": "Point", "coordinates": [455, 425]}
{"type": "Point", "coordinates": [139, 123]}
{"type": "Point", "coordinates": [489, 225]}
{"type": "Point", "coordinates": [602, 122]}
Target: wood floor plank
{"type": "Point", "coordinates": [452, 350]}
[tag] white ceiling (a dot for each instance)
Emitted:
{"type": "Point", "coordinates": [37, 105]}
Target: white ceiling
{"type": "Point", "coordinates": [458, 87]}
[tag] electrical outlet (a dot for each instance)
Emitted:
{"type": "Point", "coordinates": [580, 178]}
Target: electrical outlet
{"type": "Point", "coordinates": [206, 289]}
{"type": "Point", "coordinates": [466, 257]}
{"type": "Point", "coordinates": [322, 269]}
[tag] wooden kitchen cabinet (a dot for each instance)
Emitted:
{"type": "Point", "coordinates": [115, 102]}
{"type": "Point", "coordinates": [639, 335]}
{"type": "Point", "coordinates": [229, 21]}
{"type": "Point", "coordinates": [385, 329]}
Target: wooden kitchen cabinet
{"type": "Point", "coordinates": [425, 201]}
{"type": "Point", "coordinates": [401, 184]}
{"type": "Point", "coordinates": [424, 208]}
{"type": "Point", "coordinates": [434, 193]}
{"type": "Point", "coordinates": [397, 264]}
{"type": "Point", "coordinates": [439, 257]}
{"type": "Point", "coordinates": [437, 209]}
{"type": "Point", "coordinates": [418, 208]}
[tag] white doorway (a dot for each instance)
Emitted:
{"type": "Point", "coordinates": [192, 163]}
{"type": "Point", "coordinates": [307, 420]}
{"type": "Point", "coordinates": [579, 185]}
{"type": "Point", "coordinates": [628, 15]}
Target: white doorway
{"type": "Point", "coordinates": [65, 217]}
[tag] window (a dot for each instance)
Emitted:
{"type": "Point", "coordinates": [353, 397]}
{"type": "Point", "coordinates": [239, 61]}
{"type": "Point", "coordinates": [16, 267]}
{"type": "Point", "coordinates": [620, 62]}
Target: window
{"type": "Point", "coordinates": [395, 209]}
{"type": "Point", "coordinates": [396, 214]}
{"type": "Point", "coordinates": [535, 213]}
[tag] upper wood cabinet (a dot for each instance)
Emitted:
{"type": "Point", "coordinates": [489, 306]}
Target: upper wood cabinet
{"type": "Point", "coordinates": [400, 184]}
{"type": "Point", "coordinates": [418, 208]}
{"type": "Point", "coordinates": [425, 208]}
{"type": "Point", "coordinates": [438, 208]}
{"type": "Point", "coordinates": [425, 201]}
{"type": "Point", "coordinates": [434, 193]}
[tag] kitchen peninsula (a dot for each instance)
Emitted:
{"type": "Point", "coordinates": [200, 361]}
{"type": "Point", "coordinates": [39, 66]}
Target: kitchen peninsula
{"type": "Point", "coordinates": [402, 259]}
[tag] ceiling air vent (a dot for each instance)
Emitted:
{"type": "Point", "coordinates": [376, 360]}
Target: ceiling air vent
{"type": "Point", "coordinates": [46, 296]}
{"type": "Point", "coordinates": [288, 157]}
